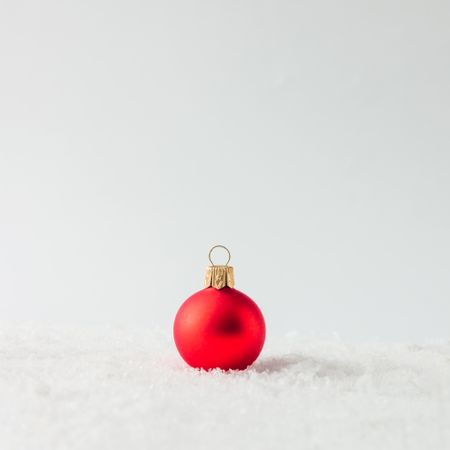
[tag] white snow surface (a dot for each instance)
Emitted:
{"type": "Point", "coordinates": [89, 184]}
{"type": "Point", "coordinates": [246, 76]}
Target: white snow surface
{"type": "Point", "coordinates": [114, 388]}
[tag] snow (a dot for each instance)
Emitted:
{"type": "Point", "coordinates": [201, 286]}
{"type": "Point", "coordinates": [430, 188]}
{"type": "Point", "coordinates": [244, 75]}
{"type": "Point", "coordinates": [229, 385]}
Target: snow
{"type": "Point", "coordinates": [121, 389]}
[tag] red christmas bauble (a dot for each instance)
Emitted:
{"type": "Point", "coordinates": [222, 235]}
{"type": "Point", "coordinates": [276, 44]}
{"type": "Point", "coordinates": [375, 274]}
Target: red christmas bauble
{"type": "Point", "coordinates": [219, 328]}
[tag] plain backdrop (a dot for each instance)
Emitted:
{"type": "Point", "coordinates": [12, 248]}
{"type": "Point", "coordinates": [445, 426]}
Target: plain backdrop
{"type": "Point", "coordinates": [310, 137]}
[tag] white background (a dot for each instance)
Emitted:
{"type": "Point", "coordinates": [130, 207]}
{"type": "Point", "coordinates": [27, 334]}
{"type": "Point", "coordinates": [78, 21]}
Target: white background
{"type": "Point", "coordinates": [311, 138]}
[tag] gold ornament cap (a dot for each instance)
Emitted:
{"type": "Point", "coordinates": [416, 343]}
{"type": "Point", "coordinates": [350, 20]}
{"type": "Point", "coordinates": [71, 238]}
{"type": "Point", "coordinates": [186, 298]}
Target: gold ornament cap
{"type": "Point", "coordinates": [219, 276]}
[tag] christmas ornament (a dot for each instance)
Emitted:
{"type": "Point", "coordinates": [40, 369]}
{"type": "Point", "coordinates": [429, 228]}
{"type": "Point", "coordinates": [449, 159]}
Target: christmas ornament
{"type": "Point", "coordinates": [219, 326]}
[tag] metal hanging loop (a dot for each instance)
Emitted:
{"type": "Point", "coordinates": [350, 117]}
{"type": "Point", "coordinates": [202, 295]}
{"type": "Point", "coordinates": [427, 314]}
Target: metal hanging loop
{"type": "Point", "coordinates": [219, 246]}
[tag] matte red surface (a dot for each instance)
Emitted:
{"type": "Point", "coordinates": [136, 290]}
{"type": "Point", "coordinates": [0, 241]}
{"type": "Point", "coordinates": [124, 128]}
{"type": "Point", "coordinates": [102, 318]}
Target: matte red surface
{"type": "Point", "coordinates": [219, 329]}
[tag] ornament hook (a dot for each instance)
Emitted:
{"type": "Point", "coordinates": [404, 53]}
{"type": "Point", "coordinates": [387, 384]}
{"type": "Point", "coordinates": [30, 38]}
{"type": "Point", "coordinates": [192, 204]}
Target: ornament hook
{"type": "Point", "coordinates": [219, 246]}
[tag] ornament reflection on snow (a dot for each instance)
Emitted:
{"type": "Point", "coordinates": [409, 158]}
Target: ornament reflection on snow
{"type": "Point", "coordinates": [219, 326]}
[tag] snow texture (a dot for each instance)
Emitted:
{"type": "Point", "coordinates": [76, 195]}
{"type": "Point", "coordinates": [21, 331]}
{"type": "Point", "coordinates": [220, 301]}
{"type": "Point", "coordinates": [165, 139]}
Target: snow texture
{"type": "Point", "coordinates": [119, 389]}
